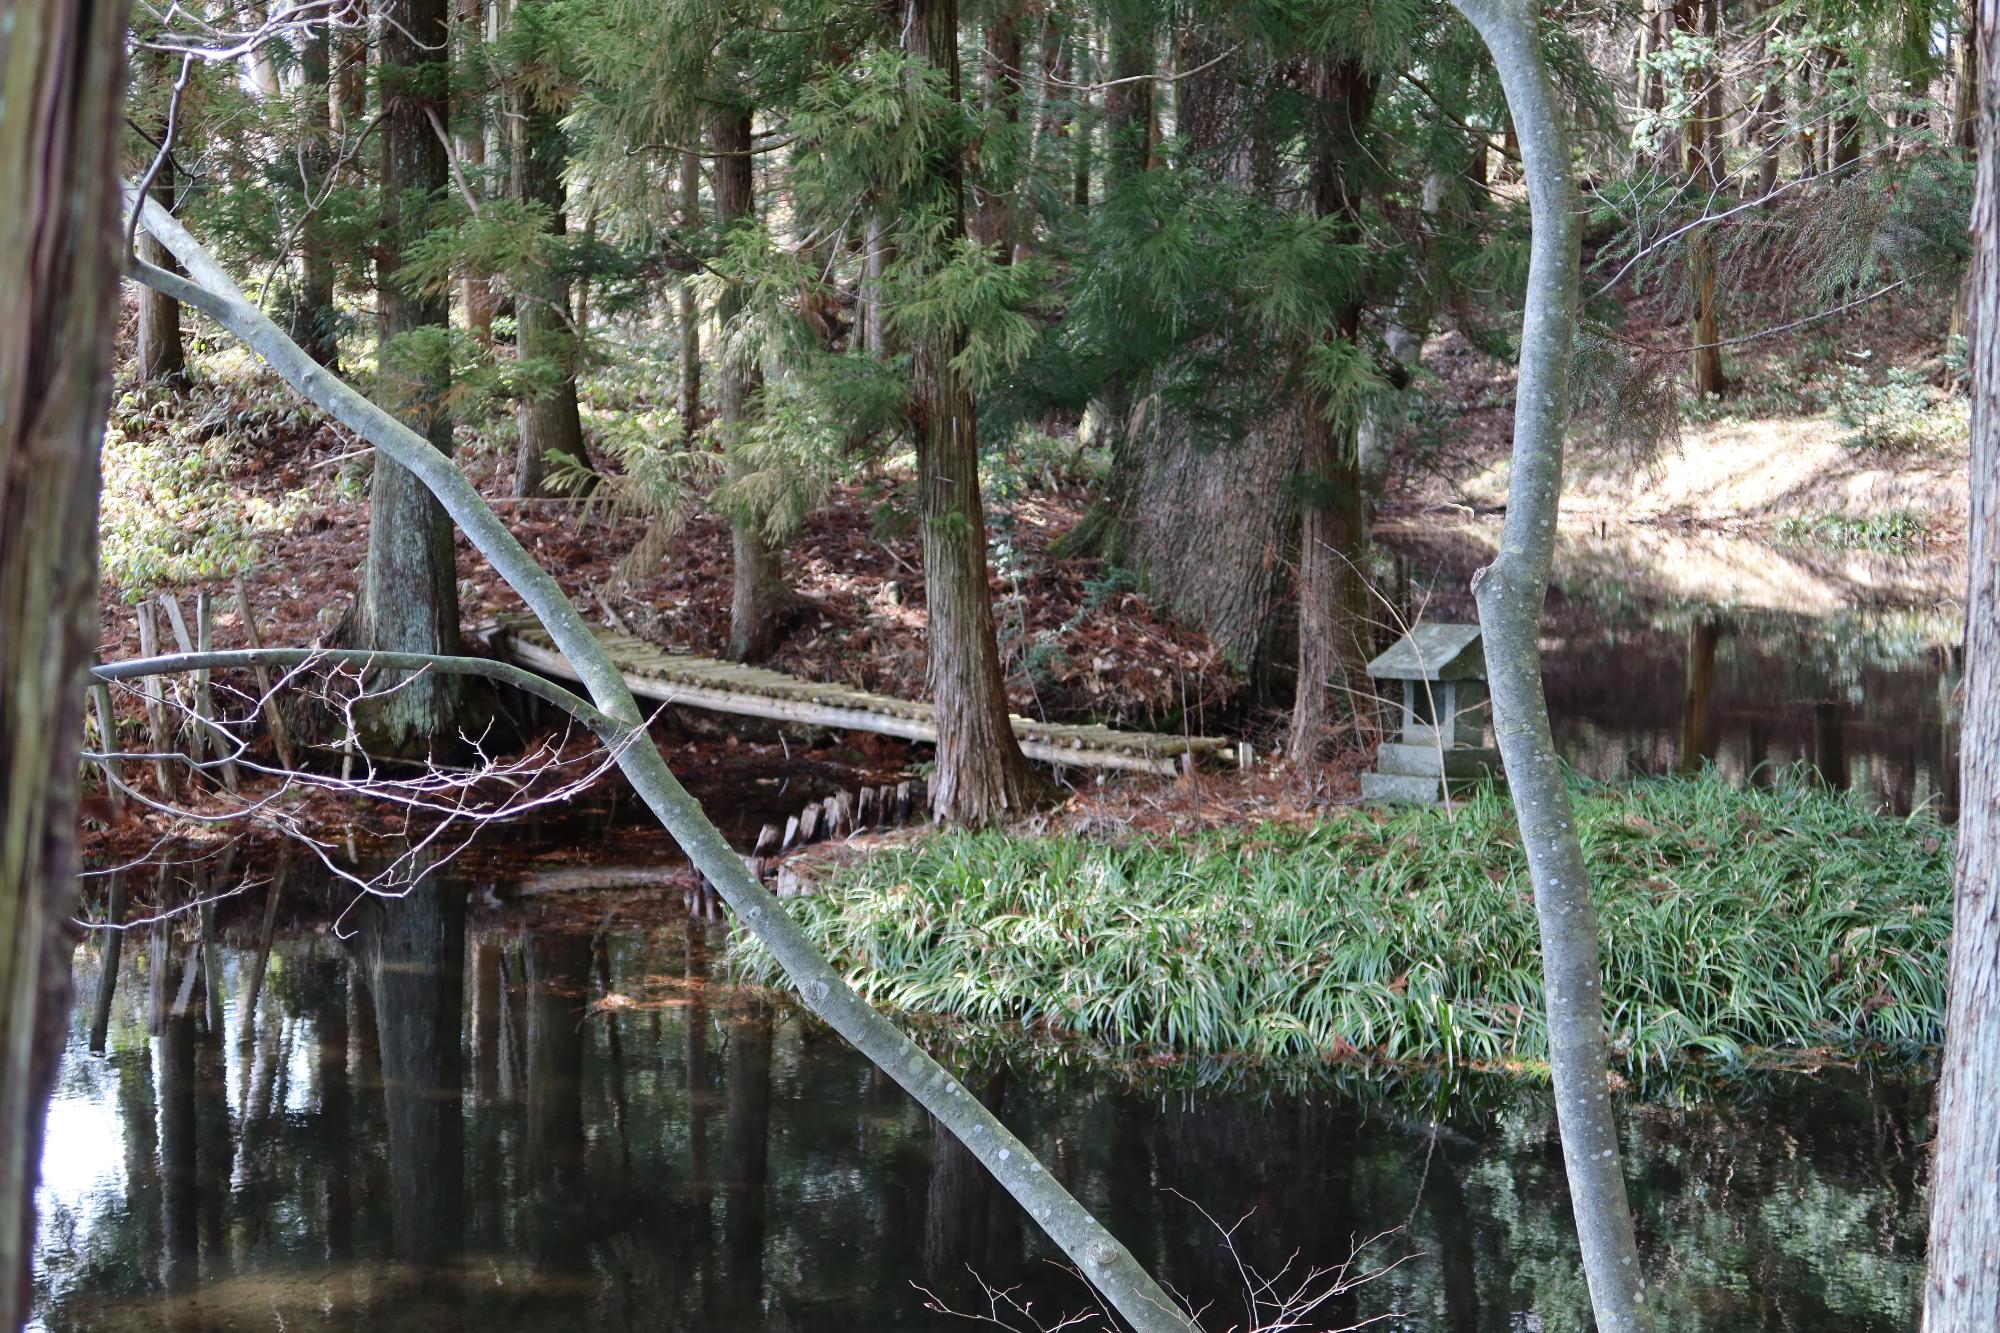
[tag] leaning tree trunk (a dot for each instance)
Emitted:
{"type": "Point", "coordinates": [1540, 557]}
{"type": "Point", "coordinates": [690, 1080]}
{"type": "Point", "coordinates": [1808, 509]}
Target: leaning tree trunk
{"type": "Point", "coordinates": [547, 420]}
{"type": "Point", "coordinates": [60, 138]}
{"type": "Point", "coordinates": [758, 596]}
{"type": "Point", "coordinates": [1510, 592]}
{"type": "Point", "coordinates": [1107, 1264]}
{"type": "Point", "coordinates": [1333, 536]}
{"type": "Point", "coordinates": [409, 596]}
{"type": "Point", "coordinates": [981, 772]}
{"type": "Point", "coordinates": [1962, 1290]}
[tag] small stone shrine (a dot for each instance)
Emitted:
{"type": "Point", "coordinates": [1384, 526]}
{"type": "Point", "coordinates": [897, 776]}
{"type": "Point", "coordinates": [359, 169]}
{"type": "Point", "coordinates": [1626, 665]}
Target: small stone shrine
{"type": "Point", "coordinates": [1435, 677]}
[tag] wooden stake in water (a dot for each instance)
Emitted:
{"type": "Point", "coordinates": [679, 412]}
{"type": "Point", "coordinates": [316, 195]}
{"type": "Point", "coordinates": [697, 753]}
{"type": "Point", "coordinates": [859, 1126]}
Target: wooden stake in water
{"type": "Point", "coordinates": [207, 735]}
{"type": "Point", "coordinates": [281, 740]}
{"type": "Point", "coordinates": [204, 697]}
{"type": "Point", "coordinates": [156, 710]}
{"type": "Point", "coordinates": [246, 1020]}
{"type": "Point", "coordinates": [107, 975]}
{"type": "Point", "coordinates": [107, 738]}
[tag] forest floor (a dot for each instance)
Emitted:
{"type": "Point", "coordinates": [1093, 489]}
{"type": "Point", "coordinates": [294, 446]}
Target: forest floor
{"type": "Point", "coordinates": [1842, 434]}
{"type": "Point", "coordinates": [1855, 477]}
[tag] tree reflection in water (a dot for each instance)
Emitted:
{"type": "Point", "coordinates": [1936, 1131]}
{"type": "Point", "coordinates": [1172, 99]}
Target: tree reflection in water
{"type": "Point", "coordinates": [517, 1124]}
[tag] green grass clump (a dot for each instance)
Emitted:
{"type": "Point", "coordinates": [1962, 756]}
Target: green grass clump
{"type": "Point", "coordinates": [1892, 530]}
{"type": "Point", "coordinates": [1736, 925]}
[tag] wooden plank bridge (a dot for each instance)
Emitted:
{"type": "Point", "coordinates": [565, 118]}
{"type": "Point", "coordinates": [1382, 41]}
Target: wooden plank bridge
{"type": "Point", "coordinates": [667, 676]}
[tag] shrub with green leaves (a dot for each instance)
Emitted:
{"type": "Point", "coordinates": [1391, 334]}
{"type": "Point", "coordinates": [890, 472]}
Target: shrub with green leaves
{"type": "Point", "coordinates": [1737, 925]}
{"type": "Point", "coordinates": [169, 513]}
{"type": "Point", "coordinates": [1901, 414]}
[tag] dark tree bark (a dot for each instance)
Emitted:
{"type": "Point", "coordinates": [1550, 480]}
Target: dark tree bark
{"type": "Point", "coordinates": [1212, 520]}
{"type": "Point", "coordinates": [994, 206]}
{"type": "Point", "coordinates": [161, 358]}
{"type": "Point", "coordinates": [1962, 1288]}
{"type": "Point", "coordinates": [1704, 169]}
{"type": "Point", "coordinates": [1333, 595]}
{"type": "Point", "coordinates": [1053, 126]}
{"type": "Point", "coordinates": [747, 1175]}
{"type": "Point", "coordinates": [410, 588]}
{"type": "Point", "coordinates": [1966, 93]}
{"type": "Point", "coordinates": [315, 320]}
{"type": "Point", "coordinates": [758, 598]}
{"type": "Point", "coordinates": [689, 313]}
{"type": "Point", "coordinates": [981, 773]}
{"type": "Point", "coordinates": [475, 290]}
{"type": "Point", "coordinates": [415, 953]}
{"type": "Point", "coordinates": [1655, 31]}
{"type": "Point", "coordinates": [62, 82]}
{"type": "Point", "coordinates": [547, 421]}
{"type": "Point", "coordinates": [1766, 127]}
{"type": "Point", "coordinates": [1128, 130]}
{"type": "Point", "coordinates": [1128, 93]}
{"type": "Point", "coordinates": [1846, 130]}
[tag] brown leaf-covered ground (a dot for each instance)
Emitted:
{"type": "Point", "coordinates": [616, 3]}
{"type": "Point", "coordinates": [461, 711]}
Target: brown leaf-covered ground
{"type": "Point", "coordinates": [1074, 648]}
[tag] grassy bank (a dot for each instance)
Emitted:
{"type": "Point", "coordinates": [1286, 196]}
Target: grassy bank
{"type": "Point", "coordinates": [1738, 925]}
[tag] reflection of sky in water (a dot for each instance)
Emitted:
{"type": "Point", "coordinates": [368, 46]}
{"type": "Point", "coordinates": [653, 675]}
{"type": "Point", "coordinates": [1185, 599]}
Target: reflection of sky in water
{"type": "Point", "coordinates": [83, 1156]}
{"type": "Point", "coordinates": [688, 1164]}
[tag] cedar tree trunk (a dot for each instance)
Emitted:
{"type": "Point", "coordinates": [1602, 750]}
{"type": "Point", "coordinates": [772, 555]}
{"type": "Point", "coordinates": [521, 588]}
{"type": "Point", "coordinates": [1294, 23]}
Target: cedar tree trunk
{"type": "Point", "coordinates": [410, 588]}
{"type": "Point", "coordinates": [1333, 534]}
{"type": "Point", "coordinates": [758, 598]}
{"type": "Point", "coordinates": [1962, 1290]}
{"type": "Point", "coordinates": [548, 420]}
{"type": "Point", "coordinates": [981, 773]}
{"type": "Point", "coordinates": [62, 84]}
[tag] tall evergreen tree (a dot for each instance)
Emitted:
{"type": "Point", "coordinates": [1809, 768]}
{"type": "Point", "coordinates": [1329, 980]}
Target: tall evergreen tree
{"type": "Point", "coordinates": [160, 359]}
{"type": "Point", "coordinates": [981, 772]}
{"type": "Point", "coordinates": [315, 319]}
{"type": "Point", "coordinates": [409, 595]}
{"type": "Point", "coordinates": [758, 594]}
{"type": "Point", "coordinates": [548, 419]}
{"type": "Point", "coordinates": [1334, 634]}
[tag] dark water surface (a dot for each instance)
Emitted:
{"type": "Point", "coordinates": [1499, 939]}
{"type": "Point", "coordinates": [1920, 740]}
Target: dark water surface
{"type": "Point", "coordinates": [528, 1117]}
{"type": "Point", "coordinates": [1663, 650]}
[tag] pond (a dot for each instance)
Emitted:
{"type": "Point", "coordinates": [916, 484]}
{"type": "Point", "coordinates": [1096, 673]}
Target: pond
{"type": "Point", "coordinates": [497, 1113]}
{"type": "Point", "coordinates": [1663, 649]}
